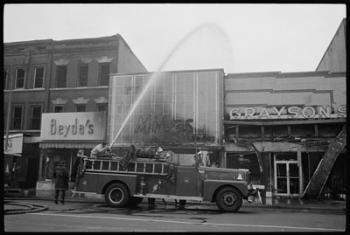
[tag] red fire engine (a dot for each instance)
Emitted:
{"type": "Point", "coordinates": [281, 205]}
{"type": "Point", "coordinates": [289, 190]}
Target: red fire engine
{"type": "Point", "coordinates": [165, 179]}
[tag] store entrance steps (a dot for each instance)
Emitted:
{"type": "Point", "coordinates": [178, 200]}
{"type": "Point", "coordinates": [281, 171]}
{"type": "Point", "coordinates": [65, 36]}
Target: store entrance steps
{"type": "Point", "coordinates": [324, 168]}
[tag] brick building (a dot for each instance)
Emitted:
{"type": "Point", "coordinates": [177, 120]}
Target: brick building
{"type": "Point", "coordinates": [49, 76]}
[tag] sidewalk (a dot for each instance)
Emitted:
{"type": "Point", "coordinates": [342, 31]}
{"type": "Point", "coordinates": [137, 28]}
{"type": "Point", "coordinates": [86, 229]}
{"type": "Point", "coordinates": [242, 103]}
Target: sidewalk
{"type": "Point", "coordinates": [293, 204]}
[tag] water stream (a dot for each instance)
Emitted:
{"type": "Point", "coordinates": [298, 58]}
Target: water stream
{"type": "Point", "coordinates": [211, 26]}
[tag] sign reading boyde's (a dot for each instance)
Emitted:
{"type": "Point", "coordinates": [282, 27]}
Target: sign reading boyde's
{"type": "Point", "coordinates": [288, 112]}
{"type": "Point", "coordinates": [73, 126]}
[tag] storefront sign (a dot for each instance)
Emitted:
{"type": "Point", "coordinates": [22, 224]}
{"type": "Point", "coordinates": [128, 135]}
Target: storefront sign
{"type": "Point", "coordinates": [73, 126]}
{"type": "Point", "coordinates": [287, 112]}
{"type": "Point", "coordinates": [14, 144]}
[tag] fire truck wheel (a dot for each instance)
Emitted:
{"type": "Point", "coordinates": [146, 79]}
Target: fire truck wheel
{"type": "Point", "coordinates": [134, 201]}
{"type": "Point", "coordinates": [117, 195]}
{"type": "Point", "coordinates": [229, 199]}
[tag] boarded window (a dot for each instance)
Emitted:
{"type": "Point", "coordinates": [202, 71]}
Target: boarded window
{"type": "Point", "coordinates": [83, 74]}
{"type": "Point", "coordinates": [103, 74]}
{"type": "Point", "coordinates": [61, 76]}
{"type": "Point", "coordinates": [39, 77]}
{"type": "Point", "coordinates": [20, 78]}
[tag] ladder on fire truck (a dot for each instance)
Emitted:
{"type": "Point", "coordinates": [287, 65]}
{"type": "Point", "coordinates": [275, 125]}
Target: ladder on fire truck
{"type": "Point", "coordinates": [142, 167]}
{"type": "Point", "coordinates": [324, 168]}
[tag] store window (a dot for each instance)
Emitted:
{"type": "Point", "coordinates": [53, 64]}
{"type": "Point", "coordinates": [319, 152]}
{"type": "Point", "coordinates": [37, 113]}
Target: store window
{"type": "Point", "coordinates": [53, 157]}
{"type": "Point", "coordinates": [83, 74]}
{"type": "Point", "coordinates": [61, 76]}
{"type": "Point", "coordinates": [20, 78]}
{"type": "Point", "coordinates": [38, 77]}
{"type": "Point", "coordinates": [103, 74]}
{"type": "Point", "coordinates": [80, 107]}
{"type": "Point", "coordinates": [58, 109]}
{"type": "Point", "coordinates": [36, 117]}
{"type": "Point", "coordinates": [17, 113]}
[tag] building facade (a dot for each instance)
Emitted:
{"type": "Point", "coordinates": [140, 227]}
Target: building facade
{"type": "Point", "coordinates": [334, 59]}
{"type": "Point", "coordinates": [289, 120]}
{"type": "Point", "coordinates": [177, 110]}
{"type": "Point", "coordinates": [278, 125]}
{"type": "Point", "coordinates": [48, 76]}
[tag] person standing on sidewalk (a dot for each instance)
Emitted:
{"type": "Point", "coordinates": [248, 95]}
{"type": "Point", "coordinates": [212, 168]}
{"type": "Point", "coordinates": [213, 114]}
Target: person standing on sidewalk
{"type": "Point", "coordinates": [61, 181]}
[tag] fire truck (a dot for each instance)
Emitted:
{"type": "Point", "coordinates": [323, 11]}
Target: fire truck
{"type": "Point", "coordinates": [168, 179]}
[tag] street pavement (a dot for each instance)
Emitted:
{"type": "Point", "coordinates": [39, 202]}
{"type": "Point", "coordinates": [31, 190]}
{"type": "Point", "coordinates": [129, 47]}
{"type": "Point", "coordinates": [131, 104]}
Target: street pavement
{"type": "Point", "coordinates": [91, 214]}
{"type": "Point", "coordinates": [332, 206]}
{"type": "Point", "coordinates": [95, 216]}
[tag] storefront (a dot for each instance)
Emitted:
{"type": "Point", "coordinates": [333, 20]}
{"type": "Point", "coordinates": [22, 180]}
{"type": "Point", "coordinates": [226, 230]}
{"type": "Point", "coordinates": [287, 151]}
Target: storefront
{"type": "Point", "coordinates": [178, 110]}
{"type": "Point", "coordinates": [290, 150]}
{"type": "Point", "coordinates": [21, 161]}
{"type": "Point", "coordinates": [62, 135]}
{"type": "Point", "coordinates": [280, 125]}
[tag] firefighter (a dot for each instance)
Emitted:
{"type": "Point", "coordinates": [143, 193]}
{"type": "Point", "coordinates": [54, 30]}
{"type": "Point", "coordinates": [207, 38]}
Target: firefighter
{"type": "Point", "coordinates": [77, 169]}
{"type": "Point", "coordinates": [99, 150]}
{"type": "Point", "coordinates": [130, 155]}
{"type": "Point", "coordinates": [61, 181]}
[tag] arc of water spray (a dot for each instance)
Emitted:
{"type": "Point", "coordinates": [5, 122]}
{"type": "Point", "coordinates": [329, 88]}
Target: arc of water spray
{"type": "Point", "coordinates": [155, 75]}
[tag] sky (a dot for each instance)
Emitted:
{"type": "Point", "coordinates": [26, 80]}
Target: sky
{"type": "Point", "coordinates": [239, 38]}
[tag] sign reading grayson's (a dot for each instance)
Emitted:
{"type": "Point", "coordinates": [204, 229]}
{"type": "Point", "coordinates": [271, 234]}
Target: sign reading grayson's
{"type": "Point", "coordinates": [73, 126]}
{"type": "Point", "coordinates": [288, 112]}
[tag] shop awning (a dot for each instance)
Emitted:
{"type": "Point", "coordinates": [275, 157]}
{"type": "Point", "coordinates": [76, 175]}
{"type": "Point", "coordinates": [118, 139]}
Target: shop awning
{"type": "Point", "coordinates": [68, 145]}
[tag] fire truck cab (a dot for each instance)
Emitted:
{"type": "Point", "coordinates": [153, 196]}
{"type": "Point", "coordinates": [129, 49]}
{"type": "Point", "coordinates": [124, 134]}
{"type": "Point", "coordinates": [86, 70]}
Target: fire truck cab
{"type": "Point", "coordinates": [165, 179]}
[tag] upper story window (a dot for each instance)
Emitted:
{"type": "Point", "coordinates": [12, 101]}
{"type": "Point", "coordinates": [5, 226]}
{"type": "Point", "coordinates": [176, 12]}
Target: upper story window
{"type": "Point", "coordinates": [83, 74]}
{"type": "Point", "coordinates": [61, 75]}
{"type": "Point", "coordinates": [19, 78]}
{"type": "Point", "coordinates": [5, 81]}
{"type": "Point", "coordinates": [103, 73]}
{"type": "Point", "coordinates": [38, 77]}
{"type": "Point", "coordinates": [102, 107]}
{"type": "Point", "coordinates": [58, 108]}
{"type": "Point", "coordinates": [36, 117]}
{"type": "Point", "coordinates": [17, 113]}
{"type": "Point", "coordinates": [80, 107]}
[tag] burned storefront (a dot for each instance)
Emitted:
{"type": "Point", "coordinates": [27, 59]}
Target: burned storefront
{"type": "Point", "coordinates": [294, 124]}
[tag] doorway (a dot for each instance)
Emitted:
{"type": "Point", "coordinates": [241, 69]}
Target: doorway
{"type": "Point", "coordinates": [287, 174]}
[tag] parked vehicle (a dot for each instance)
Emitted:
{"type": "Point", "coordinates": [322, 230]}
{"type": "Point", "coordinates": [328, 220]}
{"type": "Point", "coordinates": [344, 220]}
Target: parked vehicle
{"type": "Point", "coordinates": [167, 179]}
